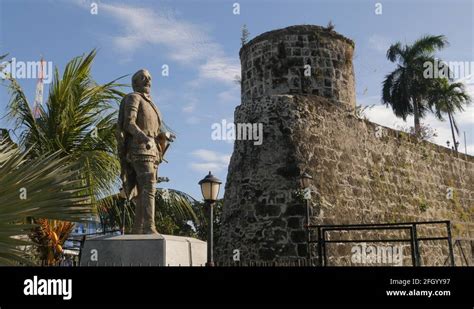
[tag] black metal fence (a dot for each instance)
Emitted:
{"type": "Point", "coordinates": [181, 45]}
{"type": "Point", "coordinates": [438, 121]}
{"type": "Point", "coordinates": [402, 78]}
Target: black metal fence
{"type": "Point", "coordinates": [322, 240]}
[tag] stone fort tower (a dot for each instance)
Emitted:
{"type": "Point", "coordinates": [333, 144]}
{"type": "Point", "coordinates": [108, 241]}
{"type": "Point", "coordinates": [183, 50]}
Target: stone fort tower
{"type": "Point", "coordinates": [307, 60]}
{"type": "Point", "coordinates": [299, 83]}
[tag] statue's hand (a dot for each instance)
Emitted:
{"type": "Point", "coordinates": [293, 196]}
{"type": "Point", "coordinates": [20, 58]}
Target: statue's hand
{"type": "Point", "coordinates": [170, 136]}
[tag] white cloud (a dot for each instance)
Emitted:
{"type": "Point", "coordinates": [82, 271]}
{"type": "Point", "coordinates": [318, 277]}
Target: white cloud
{"type": "Point", "coordinates": [470, 149]}
{"type": "Point", "coordinates": [467, 117]}
{"type": "Point", "coordinates": [220, 68]}
{"type": "Point", "coordinates": [209, 155]}
{"type": "Point", "coordinates": [185, 42]}
{"type": "Point", "coordinates": [379, 43]}
{"type": "Point", "coordinates": [210, 161]}
{"type": "Point", "coordinates": [383, 115]}
{"type": "Point", "coordinates": [143, 26]}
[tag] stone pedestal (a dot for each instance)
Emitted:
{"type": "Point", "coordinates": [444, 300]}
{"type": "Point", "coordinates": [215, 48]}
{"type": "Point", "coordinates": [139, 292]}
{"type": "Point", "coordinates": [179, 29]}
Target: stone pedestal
{"type": "Point", "coordinates": [143, 250]}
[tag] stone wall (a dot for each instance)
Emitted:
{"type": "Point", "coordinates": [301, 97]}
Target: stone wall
{"type": "Point", "coordinates": [363, 173]}
{"type": "Point", "coordinates": [274, 63]}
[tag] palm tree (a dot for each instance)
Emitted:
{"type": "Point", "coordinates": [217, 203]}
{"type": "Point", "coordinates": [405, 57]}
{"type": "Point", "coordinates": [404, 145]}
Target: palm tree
{"type": "Point", "coordinates": [405, 88]}
{"type": "Point", "coordinates": [448, 98]}
{"type": "Point", "coordinates": [78, 123]}
{"type": "Point", "coordinates": [78, 120]}
{"type": "Point", "coordinates": [44, 187]}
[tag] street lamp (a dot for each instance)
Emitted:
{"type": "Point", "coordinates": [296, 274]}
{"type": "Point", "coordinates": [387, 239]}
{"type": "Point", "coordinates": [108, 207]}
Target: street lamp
{"type": "Point", "coordinates": [305, 181]}
{"type": "Point", "coordinates": [210, 186]}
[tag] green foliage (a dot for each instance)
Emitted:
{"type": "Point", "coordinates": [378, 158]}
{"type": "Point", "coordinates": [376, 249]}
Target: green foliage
{"type": "Point", "coordinates": [447, 99]}
{"type": "Point", "coordinates": [462, 213]}
{"type": "Point", "coordinates": [78, 121]}
{"type": "Point", "coordinates": [425, 132]}
{"type": "Point", "coordinates": [405, 89]}
{"type": "Point", "coordinates": [330, 26]}
{"type": "Point", "coordinates": [423, 206]}
{"type": "Point", "coordinates": [298, 195]}
{"type": "Point", "coordinates": [360, 111]}
{"type": "Point", "coordinates": [76, 124]}
{"type": "Point", "coordinates": [176, 213]}
{"type": "Point", "coordinates": [53, 189]}
{"type": "Point", "coordinates": [203, 217]}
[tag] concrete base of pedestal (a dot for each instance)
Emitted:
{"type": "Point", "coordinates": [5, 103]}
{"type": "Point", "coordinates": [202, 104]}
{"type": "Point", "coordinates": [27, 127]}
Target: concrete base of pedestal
{"type": "Point", "coordinates": [143, 250]}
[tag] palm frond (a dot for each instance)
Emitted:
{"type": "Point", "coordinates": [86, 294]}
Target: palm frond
{"type": "Point", "coordinates": [169, 204]}
{"type": "Point", "coordinates": [78, 120]}
{"type": "Point", "coordinates": [426, 45]}
{"type": "Point", "coordinates": [395, 93]}
{"type": "Point", "coordinates": [394, 52]}
{"type": "Point", "coordinates": [178, 203]}
{"type": "Point", "coordinates": [45, 187]}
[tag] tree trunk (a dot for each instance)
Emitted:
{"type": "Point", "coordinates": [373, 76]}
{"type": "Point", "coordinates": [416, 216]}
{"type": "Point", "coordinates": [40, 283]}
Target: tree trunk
{"type": "Point", "coordinates": [452, 131]}
{"type": "Point", "coordinates": [416, 115]}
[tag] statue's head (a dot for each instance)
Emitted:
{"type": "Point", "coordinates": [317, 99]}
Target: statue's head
{"type": "Point", "coordinates": [141, 81]}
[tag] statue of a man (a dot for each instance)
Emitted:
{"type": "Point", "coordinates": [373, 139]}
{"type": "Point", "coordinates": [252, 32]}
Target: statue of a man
{"type": "Point", "coordinates": [141, 146]}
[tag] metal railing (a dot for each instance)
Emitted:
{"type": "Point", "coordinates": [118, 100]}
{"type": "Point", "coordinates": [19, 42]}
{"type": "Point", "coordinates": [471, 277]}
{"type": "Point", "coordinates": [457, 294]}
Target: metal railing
{"type": "Point", "coordinates": [412, 227]}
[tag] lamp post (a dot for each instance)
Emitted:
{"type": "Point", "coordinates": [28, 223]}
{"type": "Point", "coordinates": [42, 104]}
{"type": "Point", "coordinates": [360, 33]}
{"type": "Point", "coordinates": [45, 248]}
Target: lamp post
{"type": "Point", "coordinates": [305, 181]}
{"type": "Point", "coordinates": [210, 186]}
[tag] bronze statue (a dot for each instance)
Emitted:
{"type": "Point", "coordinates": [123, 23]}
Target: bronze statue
{"type": "Point", "coordinates": [141, 146]}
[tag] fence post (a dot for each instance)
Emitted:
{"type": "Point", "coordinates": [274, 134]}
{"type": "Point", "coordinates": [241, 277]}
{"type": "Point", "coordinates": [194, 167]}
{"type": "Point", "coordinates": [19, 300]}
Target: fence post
{"type": "Point", "coordinates": [323, 244]}
{"type": "Point", "coordinates": [412, 247]}
{"type": "Point", "coordinates": [320, 251]}
{"type": "Point", "coordinates": [416, 248]}
{"type": "Point", "coordinates": [450, 244]}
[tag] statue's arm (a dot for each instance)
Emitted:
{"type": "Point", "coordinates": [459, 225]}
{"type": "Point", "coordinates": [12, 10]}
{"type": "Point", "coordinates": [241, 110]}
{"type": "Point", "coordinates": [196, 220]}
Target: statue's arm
{"type": "Point", "coordinates": [131, 111]}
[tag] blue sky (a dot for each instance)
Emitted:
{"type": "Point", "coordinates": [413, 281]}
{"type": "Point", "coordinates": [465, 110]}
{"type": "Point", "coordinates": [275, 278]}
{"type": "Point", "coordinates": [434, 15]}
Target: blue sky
{"type": "Point", "coordinates": [200, 41]}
